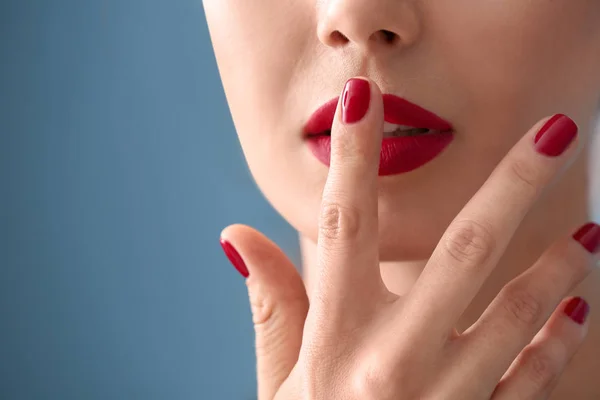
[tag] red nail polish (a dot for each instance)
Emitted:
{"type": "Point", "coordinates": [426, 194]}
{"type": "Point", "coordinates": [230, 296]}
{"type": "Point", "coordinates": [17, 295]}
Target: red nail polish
{"type": "Point", "coordinates": [577, 309]}
{"type": "Point", "coordinates": [556, 135]}
{"type": "Point", "coordinates": [589, 237]}
{"type": "Point", "coordinates": [234, 258]}
{"type": "Point", "coordinates": [355, 100]}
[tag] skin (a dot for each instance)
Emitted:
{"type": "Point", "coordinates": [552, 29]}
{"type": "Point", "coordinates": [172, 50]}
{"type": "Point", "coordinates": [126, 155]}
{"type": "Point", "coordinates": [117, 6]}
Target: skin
{"type": "Point", "coordinates": [491, 68]}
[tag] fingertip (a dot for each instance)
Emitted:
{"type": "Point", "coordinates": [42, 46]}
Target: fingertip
{"type": "Point", "coordinates": [232, 230]}
{"type": "Point", "coordinates": [234, 257]}
{"type": "Point", "coordinates": [233, 240]}
{"type": "Point", "coordinates": [358, 125]}
{"type": "Point", "coordinates": [360, 98]}
{"type": "Point", "coordinates": [356, 99]}
{"type": "Point", "coordinates": [224, 235]}
{"type": "Point", "coordinates": [577, 309]}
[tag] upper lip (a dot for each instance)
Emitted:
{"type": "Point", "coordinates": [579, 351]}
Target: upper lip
{"type": "Point", "coordinates": [397, 110]}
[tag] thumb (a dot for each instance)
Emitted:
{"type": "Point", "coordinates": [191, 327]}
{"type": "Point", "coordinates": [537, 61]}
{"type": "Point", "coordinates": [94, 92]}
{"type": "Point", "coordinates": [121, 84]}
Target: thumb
{"type": "Point", "coordinates": [278, 301]}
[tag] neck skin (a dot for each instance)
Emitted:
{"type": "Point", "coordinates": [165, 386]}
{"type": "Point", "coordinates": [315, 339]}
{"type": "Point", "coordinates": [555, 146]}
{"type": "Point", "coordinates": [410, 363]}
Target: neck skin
{"type": "Point", "coordinates": [563, 208]}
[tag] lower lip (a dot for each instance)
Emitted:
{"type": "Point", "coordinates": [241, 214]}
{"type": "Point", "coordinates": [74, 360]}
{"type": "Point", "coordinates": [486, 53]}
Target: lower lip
{"type": "Point", "coordinates": [398, 154]}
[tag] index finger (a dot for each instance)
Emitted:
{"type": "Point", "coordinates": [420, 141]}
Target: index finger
{"type": "Point", "coordinates": [347, 248]}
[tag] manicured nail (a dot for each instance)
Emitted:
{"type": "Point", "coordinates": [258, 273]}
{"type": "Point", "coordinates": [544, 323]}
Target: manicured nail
{"type": "Point", "coordinates": [556, 135]}
{"type": "Point", "coordinates": [589, 237]}
{"type": "Point", "coordinates": [234, 258]}
{"type": "Point", "coordinates": [355, 100]}
{"type": "Point", "coordinates": [577, 309]}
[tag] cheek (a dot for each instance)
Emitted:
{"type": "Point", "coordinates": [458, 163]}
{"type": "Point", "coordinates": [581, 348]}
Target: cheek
{"type": "Point", "coordinates": [514, 55]}
{"type": "Point", "coordinates": [259, 51]}
{"type": "Point", "coordinates": [257, 48]}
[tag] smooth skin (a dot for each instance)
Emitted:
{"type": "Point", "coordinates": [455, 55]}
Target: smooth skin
{"type": "Point", "coordinates": [358, 340]}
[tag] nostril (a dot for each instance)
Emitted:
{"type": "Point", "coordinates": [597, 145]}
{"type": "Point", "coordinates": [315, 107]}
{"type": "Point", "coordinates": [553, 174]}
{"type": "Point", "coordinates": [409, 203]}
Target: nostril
{"type": "Point", "coordinates": [389, 37]}
{"type": "Point", "coordinates": [338, 37]}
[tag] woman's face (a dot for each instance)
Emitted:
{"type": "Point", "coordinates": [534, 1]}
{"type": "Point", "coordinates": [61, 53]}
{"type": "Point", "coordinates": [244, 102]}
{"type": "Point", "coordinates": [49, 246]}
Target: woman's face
{"type": "Point", "coordinates": [492, 68]}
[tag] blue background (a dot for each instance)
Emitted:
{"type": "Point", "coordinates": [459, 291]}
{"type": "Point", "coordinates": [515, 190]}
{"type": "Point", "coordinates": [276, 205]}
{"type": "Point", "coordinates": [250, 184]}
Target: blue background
{"type": "Point", "coordinates": [119, 166]}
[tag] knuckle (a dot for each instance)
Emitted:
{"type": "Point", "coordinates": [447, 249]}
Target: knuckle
{"type": "Point", "coordinates": [339, 222]}
{"type": "Point", "coordinates": [373, 381]}
{"type": "Point", "coordinates": [470, 242]}
{"type": "Point", "coordinates": [540, 367]}
{"type": "Point", "coordinates": [565, 265]}
{"type": "Point", "coordinates": [262, 304]}
{"type": "Point", "coordinates": [378, 375]}
{"type": "Point", "coordinates": [526, 174]}
{"type": "Point", "coordinates": [576, 261]}
{"type": "Point", "coordinates": [522, 307]}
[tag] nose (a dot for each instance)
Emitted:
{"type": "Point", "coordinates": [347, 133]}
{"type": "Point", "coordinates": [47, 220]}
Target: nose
{"type": "Point", "coordinates": [372, 25]}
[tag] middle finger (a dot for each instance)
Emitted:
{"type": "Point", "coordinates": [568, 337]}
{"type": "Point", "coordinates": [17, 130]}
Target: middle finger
{"type": "Point", "coordinates": [476, 239]}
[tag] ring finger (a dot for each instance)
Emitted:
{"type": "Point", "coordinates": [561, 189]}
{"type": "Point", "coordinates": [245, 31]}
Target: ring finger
{"type": "Point", "coordinates": [535, 373]}
{"type": "Point", "coordinates": [523, 305]}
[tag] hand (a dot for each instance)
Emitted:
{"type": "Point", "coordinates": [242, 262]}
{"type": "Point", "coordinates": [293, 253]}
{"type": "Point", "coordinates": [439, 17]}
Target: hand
{"type": "Point", "coordinates": [357, 340]}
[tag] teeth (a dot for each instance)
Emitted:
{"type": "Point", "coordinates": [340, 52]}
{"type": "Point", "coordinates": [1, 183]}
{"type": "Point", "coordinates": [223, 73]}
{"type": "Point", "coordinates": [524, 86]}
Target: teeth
{"type": "Point", "coordinates": [393, 130]}
{"type": "Point", "coordinates": [408, 132]}
{"type": "Point", "coordinates": [389, 128]}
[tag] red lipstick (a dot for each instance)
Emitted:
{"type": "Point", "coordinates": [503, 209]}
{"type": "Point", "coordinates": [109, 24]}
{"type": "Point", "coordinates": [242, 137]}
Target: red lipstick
{"type": "Point", "coordinates": [400, 153]}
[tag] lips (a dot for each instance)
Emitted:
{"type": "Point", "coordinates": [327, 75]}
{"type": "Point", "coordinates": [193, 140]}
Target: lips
{"type": "Point", "coordinates": [400, 153]}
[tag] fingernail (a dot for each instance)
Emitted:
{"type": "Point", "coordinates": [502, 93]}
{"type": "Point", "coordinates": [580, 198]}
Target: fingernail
{"type": "Point", "coordinates": [355, 100]}
{"type": "Point", "coordinates": [589, 237]}
{"type": "Point", "coordinates": [577, 309]}
{"type": "Point", "coordinates": [234, 258]}
{"type": "Point", "coordinates": [556, 135]}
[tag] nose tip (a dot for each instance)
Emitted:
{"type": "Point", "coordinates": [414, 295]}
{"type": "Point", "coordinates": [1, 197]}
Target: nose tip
{"type": "Point", "coordinates": [368, 24]}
